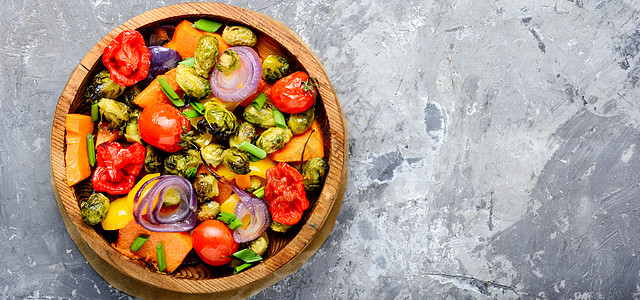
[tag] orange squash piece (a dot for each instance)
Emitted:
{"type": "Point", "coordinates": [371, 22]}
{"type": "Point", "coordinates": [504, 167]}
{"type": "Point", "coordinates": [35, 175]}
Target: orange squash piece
{"type": "Point", "coordinates": [243, 181]}
{"type": "Point", "coordinates": [292, 151]}
{"type": "Point", "coordinates": [106, 135]}
{"type": "Point", "coordinates": [176, 245]}
{"type": "Point", "coordinates": [185, 38]}
{"type": "Point", "coordinates": [153, 95]}
{"type": "Point", "coordinates": [76, 156]}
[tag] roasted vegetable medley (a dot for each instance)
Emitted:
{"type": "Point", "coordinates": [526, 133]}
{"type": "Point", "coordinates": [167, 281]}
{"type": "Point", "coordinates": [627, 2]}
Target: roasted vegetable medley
{"type": "Point", "coordinates": [196, 144]}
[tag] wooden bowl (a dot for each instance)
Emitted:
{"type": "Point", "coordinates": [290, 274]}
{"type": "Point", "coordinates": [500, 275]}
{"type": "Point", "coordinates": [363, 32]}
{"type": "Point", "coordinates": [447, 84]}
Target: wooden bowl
{"type": "Point", "coordinates": [286, 252]}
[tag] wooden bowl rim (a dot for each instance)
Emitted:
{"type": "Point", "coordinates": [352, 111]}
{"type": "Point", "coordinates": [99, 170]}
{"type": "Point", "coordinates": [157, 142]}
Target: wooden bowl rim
{"type": "Point", "coordinates": [331, 194]}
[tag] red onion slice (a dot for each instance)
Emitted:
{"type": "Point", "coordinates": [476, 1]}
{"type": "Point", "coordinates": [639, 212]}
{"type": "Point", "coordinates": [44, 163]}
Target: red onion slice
{"type": "Point", "coordinates": [181, 219]}
{"type": "Point", "coordinates": [238, 85]}
{"type": "Point", "coordinates": [254, 207]}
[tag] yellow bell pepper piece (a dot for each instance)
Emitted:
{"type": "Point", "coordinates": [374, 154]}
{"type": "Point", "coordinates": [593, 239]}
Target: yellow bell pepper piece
{"type": "Point", "coordinates": [258, 168]}
{"type": "Point", "coordinates": [132, 194]}
{"type": "Point", "coordinates": [229, 206]}
{"type": "Point", "coordinates": [120, 213]}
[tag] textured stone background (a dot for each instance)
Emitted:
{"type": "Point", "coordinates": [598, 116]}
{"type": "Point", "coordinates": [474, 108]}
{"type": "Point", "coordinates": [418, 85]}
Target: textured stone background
{"type": "Point", "coordinates": [492, 147]}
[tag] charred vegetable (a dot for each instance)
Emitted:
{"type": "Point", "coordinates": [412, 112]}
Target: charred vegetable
{"type": "Point", "coordinates": [116, 113]}
{"type": "Point", "coordinates": [236, 160]}
{"type": "Point", "coordinates": [94, 209]}
{"type": "Point", "coordinates": [274, 67]}
{"type": "Point", "coordinates": [102, 86]}
{"type": "Point", "coordinates": [228, 61]}
{"type": "Point", "coordinates": [193, 85]}
{"type": "Point", "coordinates": [208, 211]}
{"type": "Point", "coordinates": [129, 94]}
{"type": "Point", "coordinates": [183, 163]}
{"type": "Point", "coordinates": [152, 164]}
{"type": "Point", "coordinates": [239, 36]}
{"type": "Point", "coordinates": [206, 187]}
{"type": "Point", "coordinates": [246, 133]}
{"type": "Point", "coordinates": [212, 154]}
{"type": "Point", "coordinates": [206, 54]}
{"type": "Point", "coordinates": [273, 139]}
{"type": "Point", "coordinates": [299, 123]}
{"type": "Point", "coordinates": [313, 173]}
{"type": "Point", "coordinates": [219, 122]}
{"type": "Point", "coordinates": [263, 117]}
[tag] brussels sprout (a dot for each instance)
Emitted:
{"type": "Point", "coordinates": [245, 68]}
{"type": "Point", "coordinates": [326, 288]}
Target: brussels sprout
{"type": "Point", "coordinates": [116, 113]}
{"type": "Point", "coordinates": [263, 118]}
{"type": "Point", "coordinates": [206, 54]}
{"type": "Point", "coordinates": [236, 160]}
{"type": "Point", "coordinates": [259, 245]}
{"type": "Point", "coordinates": [202, 139]}
{"type": "Point", "coordinates": [206, 186]}
{"type": "Point", "coordinates": [182, 163]}
{"type": "Point", "coordinates": [212, 154]}
{"type": "Point", "coordinates": [273, 139]}
{"type": "Point", "coordinates": [131, 132]}
{"type": "Point", "coordinates": [103, 87]}
{"type": "Point", "coordinates": [228, 61]}
{"type": "Point", "coordinates": [313, 173]}
{"type": "Point", "coordinates": [193, 85]}
{"type": "Point", "coordinates": [129, 94]}
{"type": "Point", "coordinates": [239, 36]}
{"type": "Point", "coordinates": [94, 209]}
{"type": "Point", "coordinates": [171, 197]}
{"type": "Point", "coordinates": [279, 227]}
{"type": "Point", "coordinates": [300, 122]}
{"type": "Point", "coordinates": [219, 122]}
{"type": "Point", "coordinates": [152, 163]}
{"type": "Point", "coordinates": [274, 67]}
{"type": "Point", "coordinates": [208, 211]}
{"type": "Point", "coordinates": [246, 133]}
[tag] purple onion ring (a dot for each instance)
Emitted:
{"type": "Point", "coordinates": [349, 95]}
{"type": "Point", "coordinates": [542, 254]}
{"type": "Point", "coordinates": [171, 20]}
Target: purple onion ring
{"type": "Point", "coordinates": [180, 220]}
{"type": "Point", "coordinates": [238, 85]}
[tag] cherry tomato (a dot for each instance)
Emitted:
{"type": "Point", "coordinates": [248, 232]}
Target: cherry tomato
{"type": "Point", "coordinates": [285, 194]}
{"type": "Point", "coordinates": [295, 93]}
{"type": "Point", "coordinates": [213, 241]}
{"type": "Point", "coordinates": [161, 126]}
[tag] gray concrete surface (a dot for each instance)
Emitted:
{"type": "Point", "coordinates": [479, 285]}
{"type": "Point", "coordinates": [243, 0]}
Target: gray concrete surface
{"type": "Point", "coordinates": [493, 147]}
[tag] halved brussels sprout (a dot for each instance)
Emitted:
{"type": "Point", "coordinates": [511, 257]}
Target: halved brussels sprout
{"type": "Point", "coordinates": [219, 122]}
{"type": "Point", "coordinates": [239, 36]}
{"type": "Point", "coordinates": [182, 163]}
{"type": "Point", "coordinates": [236, 160]}
{"type": "Point", "coordinates": [246, 133]}
{"type": "Point", "coordinates": [300, 122]}
{"type": "Point", "coordinates": [263, 117]}
{"type": "Point", "coordinates": [274, 67]}
{"type": "Point", "coordinates": [212, 154]}
{"type": "Point", "coordinates": [206, 55]}
{"type": "Point", "coordinates": [131, 132]}
{"type": "Point", "coordinates": [273, 139]}
{"type": "Point", "coordinates": [152, 163]}
{"type": "Point", "coordinates": [193, 85]}
{"type": "Point", "coordinates": [206, 187]}
{"type": "Point", "coordinates": [228, 61]}
{"type": "Point", "coordinates": [94, 209]}
{"type": "Point", "coordinates": [102, 86]}
{"type": "Point", "coordinates": [116, 113]}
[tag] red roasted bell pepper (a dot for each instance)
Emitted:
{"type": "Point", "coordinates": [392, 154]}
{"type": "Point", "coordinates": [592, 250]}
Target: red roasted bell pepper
{"type": "Point", "coordinates": [285, 194]}
{"type": "Point", "coordinates": [127, 58]}
{"type": "Point", "coordinates": [117, 167]}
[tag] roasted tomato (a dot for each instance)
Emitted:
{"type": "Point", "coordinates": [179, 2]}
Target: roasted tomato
{"type": "Point", "coordinates": [127, 58]}
{"type": "Point", "coordinates": [161, 126]}
{"type": "Point", "coordinates": [213, 241]}
{"type": "Point", "coordinates": [295, 93]}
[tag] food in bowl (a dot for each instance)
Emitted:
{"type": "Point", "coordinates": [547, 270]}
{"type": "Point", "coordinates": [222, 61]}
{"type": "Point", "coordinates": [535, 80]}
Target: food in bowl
{"type": "Point", "coordinates": [201, 149]}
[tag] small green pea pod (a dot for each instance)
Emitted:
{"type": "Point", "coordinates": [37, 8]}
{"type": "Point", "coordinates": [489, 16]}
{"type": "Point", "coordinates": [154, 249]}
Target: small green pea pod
{"type": "Point", "coordinates": [274, 67]}
{"type": "Point", "coordinates": [313, 173]}
{"type": "Point", "coordinates": [274, 139]}
{"type": "Point", "coordinates": [206, 55]}
{"type": "Point", "coordinates": [193, 85]}
{"type": "Point", "coordinates": [300, 122]}
{"type": "Point", "coordinates": [239, 36]}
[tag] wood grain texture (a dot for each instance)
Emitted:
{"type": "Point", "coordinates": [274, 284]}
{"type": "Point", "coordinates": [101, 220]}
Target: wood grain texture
{"type": "Point", "coordinates": [286, 254]}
